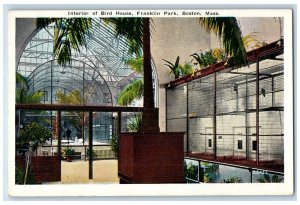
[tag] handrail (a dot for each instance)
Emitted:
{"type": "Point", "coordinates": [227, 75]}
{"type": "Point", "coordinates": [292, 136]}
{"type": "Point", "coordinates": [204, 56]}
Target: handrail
{"type": "Point", "coordinates": [234, 165]}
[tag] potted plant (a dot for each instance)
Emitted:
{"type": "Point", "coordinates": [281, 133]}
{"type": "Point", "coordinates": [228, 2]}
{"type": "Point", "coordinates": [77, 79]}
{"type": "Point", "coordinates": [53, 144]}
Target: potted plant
{"type": "Point", "coordinates": [93, 153]}
{"type": "Point", "coordinates": [68, 154]}
{"type": "Point", "coordinates": [134, 124]}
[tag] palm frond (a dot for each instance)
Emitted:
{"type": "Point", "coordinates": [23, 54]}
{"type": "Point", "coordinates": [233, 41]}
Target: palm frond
{"type": "Point", "coordinates": [69, 33]}
{"type": "Point", "coordinates": [250, 39]}
{"type": "Point", "coordinates": [24, 97]}
{"type": "Point", "coordinates": [21, 81]}
{"type": "Point", "coordinates": [131, 92]}
{"type": "Point", "coordinates": [44, 22]}
{"type": "Point", "coordinates": [72, 98]}
{"type": "Point", "coordinates": [227, 29]}
{"type": "Point", "coordinates": [136, 64]}
{"type": "Point", "coordinates": [131, 29]}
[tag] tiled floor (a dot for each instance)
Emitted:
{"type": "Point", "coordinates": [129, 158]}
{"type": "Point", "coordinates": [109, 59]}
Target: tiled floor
{"type": "Point", "coordinates": [104, 171]}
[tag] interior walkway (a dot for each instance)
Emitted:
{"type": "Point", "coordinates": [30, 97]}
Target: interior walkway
{"type": "Point", "coordinates": [75, 172]}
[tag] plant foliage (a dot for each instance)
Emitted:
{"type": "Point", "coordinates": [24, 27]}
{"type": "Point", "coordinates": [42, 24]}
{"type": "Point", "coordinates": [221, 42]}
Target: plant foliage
{"type": "Point", "coordinates": [20, 175]}
{"type": "Point", "coordinates": [23, 96]}
{"type": "Point", "coordinates": [115, 145]}
{"type": "Point", "coordinates": [136, 64]}
{"type": "Point", "coordinates": [131, 29]}
{"type": "Point", "coordinates": [232, 180]}
{"type": "Point", "coordinates": [135, 90]}
{"type": "Point", "coordinates": [68, 152]}
{"type": "Point", "coordinates": [267, 179]}
{"type": "Point", "coordinates": [93, 152]}
{"type": "Point", "coordinates": [205, 59]}
{"type": "Point", "coordinates": [71, 98]}
{"type": "Point", "coordinates": [33, 134]}
{"type": "Point", "coordinates": [174, 67]}
{"type": "Point", "coordinates": [134, 124]}
{"type": "Point", "coordinates": [210, 172]}
{"type": "Point", "coordinates": [186, 69]}
{"type": "Point", "coordinates": [69, 33]}
{"type": "Point", "coordinates": [227, 29]}
{"type": "Point", "coordinates": [191, 172]}
{"type": "Point", "coordinates": [131, 92]}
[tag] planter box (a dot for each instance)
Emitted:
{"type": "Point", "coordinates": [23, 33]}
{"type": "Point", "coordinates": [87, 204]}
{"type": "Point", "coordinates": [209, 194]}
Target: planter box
{"type": "Point", "coordinates": [151, 157]}
{"type": "Point", "coordinates": [44, 168]}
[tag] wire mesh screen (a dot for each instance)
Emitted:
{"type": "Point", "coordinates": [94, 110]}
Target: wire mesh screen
{"type": "Point", "coordinates": [221, 114]}
{"type": "Point", "coordinates": [176, 112]}
{"type": "Point", "coordinates": [200, 112]}
{"type": "Point", "coordinates": [201, 106]}
{"type": "Point", "coordinates": [230, 115]}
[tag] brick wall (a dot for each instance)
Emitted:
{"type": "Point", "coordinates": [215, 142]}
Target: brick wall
{"type": "Point", "coordinates": [151, 157]}
{"type": "Point", "coordinates": [45, 168]}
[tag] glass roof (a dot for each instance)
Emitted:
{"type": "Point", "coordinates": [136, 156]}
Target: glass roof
{"type": "Point", "coordinates": [104, 52]}
{"type": "Point", "coordinates": [99, 70]}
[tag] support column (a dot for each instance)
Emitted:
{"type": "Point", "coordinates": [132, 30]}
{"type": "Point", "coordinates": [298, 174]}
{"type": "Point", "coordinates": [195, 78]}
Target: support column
{"type": "Point", "coordinates": [83, 93]}
{"type": "Point", "coordinates": [257, 110]}
{"type": "Point", "coordinates": [215, 115]}
{"type": "Point", "coordinates": [273, 92]}
{"type": "Point", "coordinates": [59, 134]}
{"type": "Point", "coordinates": [82, 128]}
{"type": "Point", "coordinates": [166, 105]}
{"type": "Point", "coordinates": [119, 123]}
{"type": "Point", "coordinates": [187, 117]}
{"type": "Point", "coordinates": [118, 131]}
{"type": "Point", "coordinates": [246, 119]}
{"type": "Point", "coordinates": [113, 125]}
{"type": "Point", "coordinates": [51, 97]}
{"type": "Point", "coordinates": [90, 144]}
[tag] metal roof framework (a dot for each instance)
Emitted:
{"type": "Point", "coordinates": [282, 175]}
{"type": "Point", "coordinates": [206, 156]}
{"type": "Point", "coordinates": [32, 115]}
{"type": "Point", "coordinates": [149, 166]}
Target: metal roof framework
{"type": "Point", "coordinates": [104, 51]}
{"type": "Point", "coordinates": [102, 61]}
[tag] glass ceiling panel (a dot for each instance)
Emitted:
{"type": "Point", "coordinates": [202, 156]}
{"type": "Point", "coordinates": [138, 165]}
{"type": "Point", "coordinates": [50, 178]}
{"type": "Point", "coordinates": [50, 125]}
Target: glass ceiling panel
{"type": "Point", "coordinates": [96, 70]}
{"type": "Point", "coordinates": [104, 52]}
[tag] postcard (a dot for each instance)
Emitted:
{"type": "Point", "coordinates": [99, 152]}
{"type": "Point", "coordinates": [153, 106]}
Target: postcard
{"type": "Point", "coordinates": [150, 102]}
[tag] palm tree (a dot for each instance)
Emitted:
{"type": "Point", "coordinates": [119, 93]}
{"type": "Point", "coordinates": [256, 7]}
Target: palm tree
{"type": "Point", "coordinates": [150, 115]}
{"type": "Point", "coordinates": [137, 32]}
{"type": "Point", "coordinates": [23, 96]}
{"type": "Point", "coordinates": [72, 98]}
{"type": "Point", "coordinates": [68, 33]}
{"type": "Point", "coordinates": [135, 90]}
